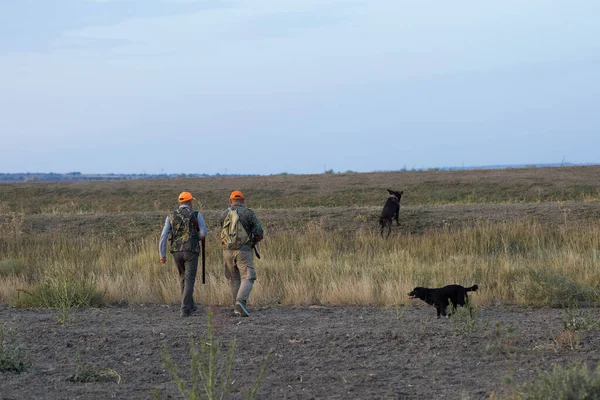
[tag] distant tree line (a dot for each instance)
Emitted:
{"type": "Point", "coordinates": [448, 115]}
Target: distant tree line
{"type": "Point", "coordinates": [78, 176]}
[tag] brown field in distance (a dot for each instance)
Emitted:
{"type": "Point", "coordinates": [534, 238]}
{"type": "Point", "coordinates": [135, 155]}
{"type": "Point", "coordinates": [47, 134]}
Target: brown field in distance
{"type": "Point", "coordinates": [421, 188]}
{"type": "Point", "coordinates": [498, 228]}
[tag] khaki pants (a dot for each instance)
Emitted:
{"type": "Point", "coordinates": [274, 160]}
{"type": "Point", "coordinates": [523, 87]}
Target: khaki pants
{"type": "Point", "coordinates": [187, 265]}
{"type": "Point", "coordinates": [239, 270]}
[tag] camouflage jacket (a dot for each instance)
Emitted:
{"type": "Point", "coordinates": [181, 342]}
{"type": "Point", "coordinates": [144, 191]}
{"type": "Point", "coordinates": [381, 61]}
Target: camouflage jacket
{"type": "Point", "coordinates": [250, 223]}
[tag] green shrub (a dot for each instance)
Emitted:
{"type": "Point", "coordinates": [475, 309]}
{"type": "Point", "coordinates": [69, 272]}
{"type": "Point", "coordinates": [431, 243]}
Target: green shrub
{"type": "Point", "coordinates": [59, 293]}
{"type": "Point", "coordinates": [579, 319]}
{"type": "Point", "coordinates": [11, 359]}
{"type": "Point", "coordinates": [572, 382]}
{"type": "Point", "coordinates": [465, 320]}
{"type": "Point", "coordinates": [64, 292]}
{"type": "Point", "coordinates": [11, 267]}
{"type": "Point", "coordinates": [541, 287]}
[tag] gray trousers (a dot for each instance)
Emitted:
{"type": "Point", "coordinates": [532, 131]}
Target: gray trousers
{"type": "Point", "coordinates": [239, 270]}
{"type": "Point", "coordinates": [187, 265]}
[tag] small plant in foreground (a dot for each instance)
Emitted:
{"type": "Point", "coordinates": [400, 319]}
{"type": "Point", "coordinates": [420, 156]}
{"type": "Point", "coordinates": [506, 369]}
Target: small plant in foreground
{"type": "Point", "coordinates": [503, 341]}
{"type": "Point", "coordinates": [93, 373]}
{"type": "Point", "coordinates": [399, 311]}
{"type": "Point", "coordinates": [465, 320]}
{"type": "Point", "coordinates": [210, 369]}
{"type": "Point", "coordinates": [573, 382]}
{"type": "Point", "coordinates": [11, 359]}
{"type": "Point", "coordinates": [566, 339]}
{"type": "Point", "coordinates": [580, 319]}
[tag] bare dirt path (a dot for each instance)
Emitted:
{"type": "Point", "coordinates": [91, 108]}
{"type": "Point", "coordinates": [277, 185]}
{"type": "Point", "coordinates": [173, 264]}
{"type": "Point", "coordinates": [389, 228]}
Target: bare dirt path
{"type": "Point", "coordinates": [318, 353]}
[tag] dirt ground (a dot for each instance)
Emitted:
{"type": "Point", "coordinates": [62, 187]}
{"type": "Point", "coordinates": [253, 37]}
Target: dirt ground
{"type": "Point", "coordinates": [318, 352]}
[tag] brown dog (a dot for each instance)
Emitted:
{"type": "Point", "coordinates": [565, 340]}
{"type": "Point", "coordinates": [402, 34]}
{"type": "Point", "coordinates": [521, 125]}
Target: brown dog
{"type": "Point", "coordinates": [391, 210]}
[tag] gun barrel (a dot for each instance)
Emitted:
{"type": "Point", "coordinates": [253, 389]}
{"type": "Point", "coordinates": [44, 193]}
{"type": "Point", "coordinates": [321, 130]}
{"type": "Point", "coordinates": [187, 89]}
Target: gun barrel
{"type": "Point", "coordinates": [203, 261]}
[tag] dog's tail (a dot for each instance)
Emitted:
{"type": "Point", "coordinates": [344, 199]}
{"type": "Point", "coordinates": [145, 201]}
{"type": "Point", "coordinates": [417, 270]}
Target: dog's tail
{"type": "Point", "coordinates": [472, 288]}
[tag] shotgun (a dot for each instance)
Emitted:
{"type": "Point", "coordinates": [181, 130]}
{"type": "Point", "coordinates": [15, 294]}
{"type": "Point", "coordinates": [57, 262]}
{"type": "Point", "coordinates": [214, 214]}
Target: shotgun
{"type": "Point", "coordinates": [255, 247]}
{"type": "Point", "coordinates": [254, 244]}
{"type": "Point", "coordinates": [203, 261]}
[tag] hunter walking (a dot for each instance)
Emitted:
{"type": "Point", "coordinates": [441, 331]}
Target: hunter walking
{"type": "Point", "coordinates": [186, 230]}
{"type": "Point", "coordinates": [240, 232]}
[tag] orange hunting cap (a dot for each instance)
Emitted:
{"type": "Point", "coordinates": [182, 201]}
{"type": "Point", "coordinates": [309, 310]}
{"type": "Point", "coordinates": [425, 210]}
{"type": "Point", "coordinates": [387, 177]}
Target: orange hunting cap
{"type": "Point", "coordinates": [236, 194]}
{"type": "Point", "coordinates": [185, 196]}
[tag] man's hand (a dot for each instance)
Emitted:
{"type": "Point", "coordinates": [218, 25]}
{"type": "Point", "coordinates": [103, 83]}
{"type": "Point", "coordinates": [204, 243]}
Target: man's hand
{"type": "Point", "coordinates": [163, 260]}
{"type": "Point", "coordinates": [256, 238]}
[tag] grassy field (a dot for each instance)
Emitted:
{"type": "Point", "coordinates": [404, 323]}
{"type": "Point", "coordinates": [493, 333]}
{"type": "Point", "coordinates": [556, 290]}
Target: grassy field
{"type": "Point", "coordinates": [525, 236]}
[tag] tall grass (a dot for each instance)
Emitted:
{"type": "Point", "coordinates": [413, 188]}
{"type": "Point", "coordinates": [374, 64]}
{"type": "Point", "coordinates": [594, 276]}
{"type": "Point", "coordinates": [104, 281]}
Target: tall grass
{"type": "Point", "coordinates": [520, 262]}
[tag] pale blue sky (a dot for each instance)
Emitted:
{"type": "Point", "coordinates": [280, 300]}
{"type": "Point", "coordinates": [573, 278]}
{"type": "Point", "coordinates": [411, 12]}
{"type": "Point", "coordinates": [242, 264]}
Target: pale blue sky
{"type": "Point", "coordinates": [297, 86]}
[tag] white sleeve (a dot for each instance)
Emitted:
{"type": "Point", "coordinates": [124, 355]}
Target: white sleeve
{"type": "Point", "coordinates": [202, 226]}
{"type": "Point", "coordinates": [162, 244]}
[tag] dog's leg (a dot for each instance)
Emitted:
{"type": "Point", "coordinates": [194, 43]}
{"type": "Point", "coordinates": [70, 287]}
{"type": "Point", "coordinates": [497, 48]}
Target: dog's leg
{"type": "Point", "coordinates": [445, 312]}
{"type": "Point", "coordinates": [389, 227]}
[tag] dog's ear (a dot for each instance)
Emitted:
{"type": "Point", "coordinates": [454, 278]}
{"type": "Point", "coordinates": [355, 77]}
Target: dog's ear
{"type": "Point", "coordinates": [390, 191]}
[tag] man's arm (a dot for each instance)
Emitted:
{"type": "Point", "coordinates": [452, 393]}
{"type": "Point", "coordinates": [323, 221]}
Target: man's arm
{"type": "Point", "coordinates": [202, 229]}
{"type": "Point", "coordinates": [162, 244]}
{"type": "Point", "coordinates": [257, 230]}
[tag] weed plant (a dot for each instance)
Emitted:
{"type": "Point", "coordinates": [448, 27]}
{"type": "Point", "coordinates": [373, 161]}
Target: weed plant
{"type": "Point", "coordinates": [503, 341]}
{"type": "Point", "coordinates": [85, 372]}
{"type": "Point", "coordinates": [210, 369]}
{"type": "Point", "coordinates": [466, 321]}
{"type": "Point", "coordinates": [11, 357]}
{"type": "Point", "coordinates": [579, 319]}
{"type": "Point", "coordinates": [572, 382]}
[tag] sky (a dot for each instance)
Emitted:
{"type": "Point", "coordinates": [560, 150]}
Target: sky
{"type": "Point", "coordinates": [296, 86]}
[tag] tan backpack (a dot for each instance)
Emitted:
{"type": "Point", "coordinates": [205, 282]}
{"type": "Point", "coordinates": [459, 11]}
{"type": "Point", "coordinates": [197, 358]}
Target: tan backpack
{"type": "Point", "coordinates": [233, 234]}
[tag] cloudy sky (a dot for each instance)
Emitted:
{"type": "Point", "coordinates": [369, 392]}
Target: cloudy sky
{"type": "Point", "coordinates": [297, 86]}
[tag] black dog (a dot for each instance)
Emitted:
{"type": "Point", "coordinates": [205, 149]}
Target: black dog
{"type": "Point", "coordinates": [441, 298]}
{"type": "Point", "coordinates": [390, 211]}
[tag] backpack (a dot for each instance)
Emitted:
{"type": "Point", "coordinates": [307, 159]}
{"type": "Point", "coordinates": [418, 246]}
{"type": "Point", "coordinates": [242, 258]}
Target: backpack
{"type": "Point", "coordinates": [233, 234]}
{"type": "Point", "coordinates": [184, 231]}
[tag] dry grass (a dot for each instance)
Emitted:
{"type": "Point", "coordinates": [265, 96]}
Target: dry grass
{"type": "Point", "coordinates": [317, 266]}
{"type": "Point", "coordinates": [507, 231]}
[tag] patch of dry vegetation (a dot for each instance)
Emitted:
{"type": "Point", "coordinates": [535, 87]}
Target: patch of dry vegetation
{"type": "Point", "coordinates": [313, 265]}
{"type": "Point", "coordinates": [507, 230]}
